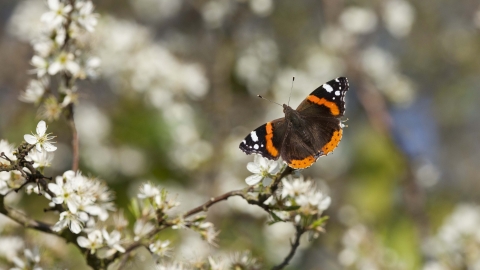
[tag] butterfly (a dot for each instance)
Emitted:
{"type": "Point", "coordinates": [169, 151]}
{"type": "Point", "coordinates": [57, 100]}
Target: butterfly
{"type": "Point", "coordinates": [312, 130]}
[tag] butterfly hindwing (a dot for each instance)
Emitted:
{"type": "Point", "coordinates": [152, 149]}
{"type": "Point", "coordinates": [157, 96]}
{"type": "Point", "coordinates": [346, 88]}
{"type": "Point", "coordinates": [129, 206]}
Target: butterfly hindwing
{"type": "Point", "coordinates": [266, 140]}
{"type": "Point", "coordinates": [297, 152]}
{"type": "Point", "coordinates": [327, 100]}
{"type": "Point", "coordinates": [328, 133]}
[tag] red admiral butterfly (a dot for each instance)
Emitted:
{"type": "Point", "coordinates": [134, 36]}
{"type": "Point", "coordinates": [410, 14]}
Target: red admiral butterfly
{"type": "Point", "coordinates": [314, 129]}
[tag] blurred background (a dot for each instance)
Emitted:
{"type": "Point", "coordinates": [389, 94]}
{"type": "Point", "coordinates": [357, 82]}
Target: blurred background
{"type": "Point", "coordinates": [176, 94]}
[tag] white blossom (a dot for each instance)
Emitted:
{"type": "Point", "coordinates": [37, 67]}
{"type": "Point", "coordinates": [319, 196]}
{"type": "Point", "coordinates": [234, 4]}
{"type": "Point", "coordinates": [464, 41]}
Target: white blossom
{"type": "Point", "coordinates": [41, 66]}
{"type": "Point", "coordinates": [261, 168]}
{"type": "Point", "coordinates": [113, 242]}
{"type": "Point", "coordinates": [160, 248]}
{"type": "Point", "coordinates": [296, 187]}
{"type": "Point", "coordinates": [147, 190]}
{"type": "Point", "coordinates": [57, 14]}
{"type": "Point", "coordinates": [64, 62]}
{"type": "Point", "coordinates": [93, 242]}
{"type": "Point", "coordinates": [31, 261]}
{"type": "Point", "coordinates": [41, 139]}
{"type": "Point", "coordinates": [40, 159]}
{"type": "Point", "coordinates": [64, 193]}
{"type": "Point", "coordinates": [86, 18]}
{"type": "Point", "coordinates": [74, 221]}
{"type": "Point", "coordinates": [34, 92]}
{"type": "Point", "coordinates": [7, 149]}
{"type": "Point", "coordinates": [142, 228]}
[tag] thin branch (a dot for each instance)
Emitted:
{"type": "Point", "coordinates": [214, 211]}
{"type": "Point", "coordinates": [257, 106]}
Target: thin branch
{"type": "Point", "coordinates": [21, 219]}
{"type": "Point", "coordinates": [75, 141]}
{"type": "Point", "coordinates": [204, 207]}
{"type": "Point", "coordinates": [295, 244]}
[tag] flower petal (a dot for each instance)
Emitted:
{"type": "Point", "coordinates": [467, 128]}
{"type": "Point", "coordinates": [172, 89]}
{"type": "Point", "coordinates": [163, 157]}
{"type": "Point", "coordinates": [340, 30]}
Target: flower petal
{"type": "Point", "coordinates": [41, 128]}
{"type": "Point", "coordinates": [39, 148]}
{"type": "Point", "coordinates": [253, 179]}
{"type": "Point", "coordinates": [75, 226]}
{"type": "Point", "coordinates": [49, 147]}
{"type": "Point", "coordinates": [30, 139]}
{"type": "Point", "coordinates": [253, 167]}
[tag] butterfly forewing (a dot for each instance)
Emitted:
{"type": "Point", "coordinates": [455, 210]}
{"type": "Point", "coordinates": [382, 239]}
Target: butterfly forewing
{"type": "Point", "coordinates": [266, 140]}
{"type": "Point", "coordinates": [327, 100]}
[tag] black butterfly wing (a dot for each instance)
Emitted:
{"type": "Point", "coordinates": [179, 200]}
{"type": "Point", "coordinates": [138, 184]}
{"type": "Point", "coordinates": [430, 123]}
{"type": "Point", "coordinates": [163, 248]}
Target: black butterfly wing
{"type": "Point", "coordinates": [327, 100]}
{"type": "Point", "coordinates": [266, 140]}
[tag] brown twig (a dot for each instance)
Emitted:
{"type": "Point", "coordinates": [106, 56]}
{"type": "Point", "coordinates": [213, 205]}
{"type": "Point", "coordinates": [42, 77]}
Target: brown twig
{"type": "Point", "coordinates": [21, 219]}
{"type": "Point", "coordinates": [294, 244]}
{"type": "Point", "coordinates": [214, 200]}
{"type": "Point", "coordinates": [75, 141]}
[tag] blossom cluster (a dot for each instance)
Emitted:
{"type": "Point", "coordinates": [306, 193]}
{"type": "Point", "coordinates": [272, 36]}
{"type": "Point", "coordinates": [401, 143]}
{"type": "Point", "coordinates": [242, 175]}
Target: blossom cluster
{"type": "Point", "coordinates": [57, 51]}
{"type": "Point", "coordinates": [299, 200]}
{"type": "Point", "coordinates": [40, 157]}
{"type": "Point", "coordinates": [81, 198]}
{"type": "Point", "coordinates": [457, 243]}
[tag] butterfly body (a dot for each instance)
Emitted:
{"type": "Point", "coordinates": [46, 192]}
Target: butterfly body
{"type": "Point", "coordinates": [312, 130]}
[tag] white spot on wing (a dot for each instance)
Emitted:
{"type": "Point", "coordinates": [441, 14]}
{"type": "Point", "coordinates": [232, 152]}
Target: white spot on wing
{"type": "Point", "coordinates": [255, 146]}
{"type": "Point", "coordinates": [337, 93]}
{"type": "Point", "coordinates": [244, 142]}
{"type": "Point", "coordinates": [327, 87]}
{"type": "Point", "coordinates": [336, 80]}
{"type": "Point", "coordinates": [254, 136]}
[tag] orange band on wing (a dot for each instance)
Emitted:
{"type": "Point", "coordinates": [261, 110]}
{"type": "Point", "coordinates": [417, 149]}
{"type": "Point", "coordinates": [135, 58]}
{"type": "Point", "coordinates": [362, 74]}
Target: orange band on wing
{"type": "Point", "coordinates": [302, 163]}
{"type": "Point", "coordinates": [270, 148]}
{"type": "Point", "coordinates": [329, 104]}
{"type": "Point", "coordinates": [332, 144]}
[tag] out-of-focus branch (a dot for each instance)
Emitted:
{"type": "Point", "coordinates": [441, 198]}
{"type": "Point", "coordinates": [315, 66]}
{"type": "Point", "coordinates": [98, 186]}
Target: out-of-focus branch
{"type": "Point", "coordinates": [294, 244]}
{"type": "Point", "coordinates": [75, 141]}
{"type": "Point", "coordinates": [23, 220]}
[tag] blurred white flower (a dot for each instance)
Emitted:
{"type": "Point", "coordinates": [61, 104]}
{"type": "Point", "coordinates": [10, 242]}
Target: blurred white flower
{"type": "Point", "coordinates": [71, 97]}
{"type": "Point", "coordinates": [7, 149]}
{"type": "Point", "coordinates": [296, 187]}
{"type": "Point", "coordinates": [64, 62]}
{"type": "Point", "coordinates": [57, 14]}
{"type": "Point", "coordinates": [113, 242]}
{"type": "Point", "coordinates": [262, 168]}
{"type": "Point", "coordinates": [358, 20]}
{"type": "Point", "coordinates": [43, 48]}
{"type": "Point", "coordinates": [34, 92]}
{"type": "Point", "coordinates": [86, 17]}
{"type": "Point", "coordinates": [30, 261]}
{"type": "Point", "coordinates": [40, 64]}
{"type": "Point", "coordinates": [10, 180]}
{"type": "Point", "coordinates": [93, 242]}
{"type": "Point", "coordinates": [14, 244]}
{"type": "Point", "coordinates": [156, 10]}
{"type": "Point", "coordinates": [214, 12]}
{"type": "Point", "coordinates": [160, 248]}
{"type": "Point", "coordinates": [398, 16]}
{"type": "Point", "coordinates": [142, 228]}
{"type": "Point", "coordinates": [41, 139]}
{"type": "Point", "coordinates": [40, 159]}
{"type": "Point", "coordinates": [261, 7]}
{"type": "Point", "coordinates": [147, 190]}
{"type": "Point", "coordinates": [476, 18]}
{"type": "Point", "coordinates": [208, 232]}
{"type": "Point", "coordinates": [313, 202]}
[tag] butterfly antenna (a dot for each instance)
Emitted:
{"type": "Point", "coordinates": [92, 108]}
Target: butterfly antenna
{"type": "Point", "coordinates": [293, 79]}
{"type": "Point", "coordinates": [269, 100]}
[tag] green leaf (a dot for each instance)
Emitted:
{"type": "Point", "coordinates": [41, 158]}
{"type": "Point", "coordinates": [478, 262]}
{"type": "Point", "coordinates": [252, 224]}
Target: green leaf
{"type": "Point", "coordinates": [319, 222]}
